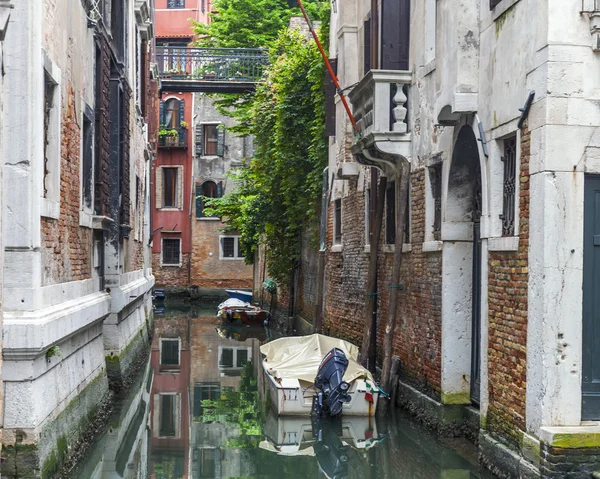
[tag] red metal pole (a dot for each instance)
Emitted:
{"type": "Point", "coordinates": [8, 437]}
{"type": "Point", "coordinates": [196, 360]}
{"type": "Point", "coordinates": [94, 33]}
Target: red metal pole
{"type": "Point", "coordinates": [331, 72]}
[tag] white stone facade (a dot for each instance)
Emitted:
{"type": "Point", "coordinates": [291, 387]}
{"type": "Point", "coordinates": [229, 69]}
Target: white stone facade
{"type": "Point", "coordinates": [67, 309]}
{"type": "Point", "coordinates": [472, 65]}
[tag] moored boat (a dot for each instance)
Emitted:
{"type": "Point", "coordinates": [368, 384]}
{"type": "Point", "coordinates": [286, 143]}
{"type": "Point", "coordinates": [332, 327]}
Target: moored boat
{"type": "Point", "coordinates": [245, 296]}
{"type": "Point", "coordinates": [235, 309]}
{"type": "Point", "coordinates": [292, 365]}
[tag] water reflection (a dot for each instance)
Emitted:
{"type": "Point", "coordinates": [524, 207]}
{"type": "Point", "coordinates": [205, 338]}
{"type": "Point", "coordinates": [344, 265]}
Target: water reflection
{"type": "Point", "coordinates": [201, 411]}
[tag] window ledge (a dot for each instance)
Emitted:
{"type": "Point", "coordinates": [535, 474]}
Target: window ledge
{"type": "Point", "coordinates": [432, 246]}
{"type": "Point", "coordinates": [210, 157]}
{"type": "Point", "coordinates": [389, 248]}
{"type": "Point", "coordinates": [367, 248]}
{"type": "Point", "coordinates": [85, 219]}
{"type": "Point", "coordinates": [406, 248]}
{"type": "Point", "coordinates": [501, 8]}
{"type": "Point", "coordinates": [337, 248]}
{"type": "Point", "coordinates": [231, 259]}
{"type": "Point", "coordinates": [170, 209]}
{"type": "Point", "coordinates": [171, 265]}
{"type": "Point", "coordinates": [50, 209]}
{"type": "Point", "coordinates": [208, 218]}
{"type": "Point", "coordinates": [505, 243]}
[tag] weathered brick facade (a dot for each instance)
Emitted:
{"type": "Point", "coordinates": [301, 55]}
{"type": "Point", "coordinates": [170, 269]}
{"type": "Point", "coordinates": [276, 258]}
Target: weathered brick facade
{"type": "Point", "coordinates": [66, 245]}
{"type": "Point", "coordinates": [171, 276]}
{"type": "Point", "coordinates": [507, 300]}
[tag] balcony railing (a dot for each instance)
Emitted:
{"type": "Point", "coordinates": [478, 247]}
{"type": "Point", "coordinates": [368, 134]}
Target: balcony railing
{"type": "Point", "coordinates": [174, 141]}
{"type": "Point", "coordinates": [211, 64]}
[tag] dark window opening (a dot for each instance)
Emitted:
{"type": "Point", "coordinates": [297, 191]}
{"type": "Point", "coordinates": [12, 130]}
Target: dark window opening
{"type": "Point", "coordinates": [208, 462]}
{"type": "Point", "coordinates": [435, 177]}
{"type": "Point", "coordinates": [49, 91]}
{"type": "Point", "coordinates": [367, 46]}
{"type": "Point", "coordinates": [170, 187]}
{"type": "Point", "coordinates": [390, 213]}
{"type": "Point", "coordinates": [97, 117]}
{"type": "Point", "coordinates": [228, 247]}
{"type": "Point", "coordinates": [211, 140]}
{"type": "Point", "coordinates": [493, 3]}
{"type": "Point", "coordinates": [242, 357]}
{"type": "Point", "coordinates": [117, 26]}
{"type": "Point", "coordinates": [368, 216]}
{"type": "Point", "coordinates": [169, 354]}
{"type": "Point", "coordinates": [407, 221]}
{"type": "Point", "coordinates": [337, 222]}
{"type": "Point", "coordinates": [205, 392]}
{"type": "Point", "coordinates": [87, 161]}
{"type": "Point", "coordinates": [171, 251]}
{"type": "Point", "coordinates": [203, 6]}
{"type": "Point", "coordinates": [226, 359]}
{"type": "Point", "coordinates": [175, 3]}
{"type": "Point", "coordinates": [509, 186]}
{"type": "Point", "coordinates": [172, 114]}
{"type": "Point", "coordinates": [167, 415]}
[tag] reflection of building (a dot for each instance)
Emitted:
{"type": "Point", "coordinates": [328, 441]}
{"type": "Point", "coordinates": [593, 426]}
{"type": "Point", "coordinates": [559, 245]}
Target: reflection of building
{"type": "Point", "coordinates": [169, 400]}
{"type": "Point", "coordinates": [217, 365]}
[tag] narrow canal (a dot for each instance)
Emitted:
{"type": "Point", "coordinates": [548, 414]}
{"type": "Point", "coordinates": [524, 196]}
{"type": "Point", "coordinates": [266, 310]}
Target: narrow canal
{"type": "Point", "coordinates": [199, 410]}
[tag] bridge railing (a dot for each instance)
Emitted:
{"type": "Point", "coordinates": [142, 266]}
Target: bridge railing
{"type": "Point", "coordinates": [211, 64]}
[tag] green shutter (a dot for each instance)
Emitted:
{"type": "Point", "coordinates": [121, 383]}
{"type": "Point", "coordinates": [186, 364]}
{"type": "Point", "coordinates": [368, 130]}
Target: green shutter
{"type": "Point", "coordinates": [181, 111]}
{"type": "Point", "coordinates": [162, 112]}
{"type": "Point", "coordinates": [198, 201]}
{"type": "Point", "coordinates": [199, 140]}
{"type": "Point", "coordinates": [221, 141]}
{"type": "Point", "coordinates": [219, 189]}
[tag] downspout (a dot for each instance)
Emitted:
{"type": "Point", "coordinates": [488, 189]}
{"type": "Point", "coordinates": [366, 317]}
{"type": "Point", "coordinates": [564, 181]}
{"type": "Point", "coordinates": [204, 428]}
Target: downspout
{"type": "Point", "coordinates": [322, 253]}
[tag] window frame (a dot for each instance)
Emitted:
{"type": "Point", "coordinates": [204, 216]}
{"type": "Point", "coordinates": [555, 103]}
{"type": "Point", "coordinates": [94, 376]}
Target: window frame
{"type": "Point", "coordinates": [159, 188]}
{"type": "Point", "coordinates": [235, 350]}
{"type": "Point", "coordinates": [436, 175]}
{"type": "Point", "coordinates": [162, 252]}
{"type": "Point", "coordinates": [170, 366]}
{"type": "Point", "coordinates": [172, 203]}
{"type": "Point", "coordinates": [367, 204]}
{"type": "Point", "coordinates": [214, 142]}
{"type": "Point", "coordinates": [338, 232]}
{"type": "Point", "coordinates": [391, 216]}
{"type": "Point", "coordinates": [236, 248]}
{"type": "Point", "coordinates": [175, 4]}
{"type": "Point", "coordinates": [510, 200]}
{"type": "Point", "coordinates": [87, 162]}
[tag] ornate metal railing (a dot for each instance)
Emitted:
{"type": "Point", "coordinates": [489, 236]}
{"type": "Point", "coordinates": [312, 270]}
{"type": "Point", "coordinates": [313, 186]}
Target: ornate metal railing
{"type": "Point", "coordinates": [211, 64]}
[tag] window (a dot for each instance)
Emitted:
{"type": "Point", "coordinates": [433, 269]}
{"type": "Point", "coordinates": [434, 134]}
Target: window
{"type": "Point", "coordinates": [211, 140]}
{"type": "Point", "coordinates": [87, 174]}
{"type": "Point", "coordinates": [203, 6]}
{"type": "Point", "coordinates": [172, 112]}
{"type": "Point", "coordinates": [337, 222]}
{"type": "Point", "coordinates": [171, 251]}
{"type": "Point", "coordinates": [117, 26]}
{"type": "Point", "coordinates": [208, 462]}
{"type": "Point", "coordinates": [407, 220]}
{"type": "Point", "coordinates": [99, 196]}
{"type": "Point", "coordinates": [230, 248]}
{"type": "Point", "coordinates": [167, 422]}
{"type": "Point", "coordinates": [395, 35]}
{"type": "Point", "coordinates": [509, 186]}
{"type": "Point", "coordinates": [205, 392]}
{"type": "Point", "coordinates": [51, 138]}
{"type": "Point", "coordinates": [208, 189]}
{"type": "Point", "coordinates": [175, 3]}
{"type": "Point", "coordinates": [390, 213]}
{"type": "Point", "coordinates": [233, 358]}
{"type": "Point", "coordinates": [170, 187]}
{"type": "Point", "coordinates": [367, 46]}
{"type": "Point", "coordinates": [435, 178]}
{"type": "Point", "coordinates": [169, 352]}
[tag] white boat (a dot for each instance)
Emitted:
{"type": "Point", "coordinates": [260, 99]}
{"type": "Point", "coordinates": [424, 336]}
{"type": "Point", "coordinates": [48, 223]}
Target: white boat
{"type": "Point", "coordinates": [291, 365]}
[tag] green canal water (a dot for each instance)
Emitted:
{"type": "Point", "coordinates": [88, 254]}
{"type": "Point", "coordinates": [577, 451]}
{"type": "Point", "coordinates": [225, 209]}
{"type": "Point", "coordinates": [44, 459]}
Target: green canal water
{"type": "Point", "coordinates": [200, 410]}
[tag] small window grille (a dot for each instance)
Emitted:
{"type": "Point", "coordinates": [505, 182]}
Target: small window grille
{"type": "Point", "coordinates": [228, 247]}
{"type": "Point", "coordinates": [337, 222]}
{"type": "Point", "coordinates": [435, 177]}
{"type": "Point", "coordinates": [169, 354]}
{"type": "Point", "coordinates": [175, 3]}
{"type": "Point", "coordinates": [509, 186]}
{"type": "Point", "coordinates": [171, 251]}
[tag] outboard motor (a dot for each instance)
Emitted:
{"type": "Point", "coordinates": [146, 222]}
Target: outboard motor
{"type": "Point", "coordinates": [331, 452]}
{"type": "Point", "coordinates": [332, 387]}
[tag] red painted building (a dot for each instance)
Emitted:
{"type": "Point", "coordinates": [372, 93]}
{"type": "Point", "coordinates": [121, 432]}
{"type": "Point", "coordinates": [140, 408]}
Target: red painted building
{"type": "Point", "coordinates": [172, 171]}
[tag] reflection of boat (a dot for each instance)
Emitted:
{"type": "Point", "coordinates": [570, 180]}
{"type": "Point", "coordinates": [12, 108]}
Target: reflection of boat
{"type": "Point", "coordinates": [240, 332]}
{"type": "Point", "coordinates": [159, 295]}
{"type": "Point", "coordinates": [291, 365]}
{"type": "Point", "coordinates": [239, 294]}
{"type": "Point", "coordinates": [234, 309]}
{"type": "Point", "coordinates": [297, 436]}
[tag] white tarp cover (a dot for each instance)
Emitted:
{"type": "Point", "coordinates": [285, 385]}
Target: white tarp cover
{"type": "Point", "coordinates": [299, 357]}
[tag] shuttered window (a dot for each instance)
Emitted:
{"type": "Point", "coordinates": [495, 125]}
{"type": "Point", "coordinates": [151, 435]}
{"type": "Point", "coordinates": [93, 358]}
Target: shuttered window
{"type": "Point", "coordinates": [395, 34]}
{"type": "Point", "coordinates": [367, 46]}
{"type": "Point", "coordinates": [169, 187]}
{"type": "Point", "coordinates": [169, 352]}
{"type": "Point", "coordinates": [208, 189]}
{"type": "Point", "coordinates": [330, 93]}
{"type": "Point", "coordinates": [210, 140]}
{"type": "Point", "coordinates": [390, 213]}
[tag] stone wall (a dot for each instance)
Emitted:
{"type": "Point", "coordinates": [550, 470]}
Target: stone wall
{"type": "Point", "coordinates": [171, 276]}
{"type": "Point", "coordinates": [507, 300]}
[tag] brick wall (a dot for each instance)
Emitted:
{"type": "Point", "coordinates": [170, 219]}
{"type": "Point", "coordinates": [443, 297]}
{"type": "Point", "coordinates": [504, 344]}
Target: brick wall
{"type": "Point", "coordinates": [207, 270]}
{"type": "Point", "coordinates": [170, 276]}
{"type": "Point", "coordinates": [66, 247]}
{"type": "Point", "coordinates": [507, 299]}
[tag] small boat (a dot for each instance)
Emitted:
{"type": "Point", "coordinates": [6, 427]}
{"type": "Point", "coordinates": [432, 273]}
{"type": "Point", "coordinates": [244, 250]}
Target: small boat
{"type": "Point", "coordinates": [245, 296]}
{"type": "Point", "coordinates": [159, 295]}
{"type": "Point", "coordinates": [234, 309]}
{"type": "Point", "coordinates": [294, 368]}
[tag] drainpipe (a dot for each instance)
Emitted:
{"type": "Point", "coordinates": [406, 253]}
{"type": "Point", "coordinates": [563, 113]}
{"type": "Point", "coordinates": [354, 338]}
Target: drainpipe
{"type": "Point", "coordinates": [322, 253]}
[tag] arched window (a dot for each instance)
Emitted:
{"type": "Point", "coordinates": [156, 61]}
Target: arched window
{"type": "Point", "coordinates": [208, 189]}
{"type": "Point", "coordinates": [172, 114]}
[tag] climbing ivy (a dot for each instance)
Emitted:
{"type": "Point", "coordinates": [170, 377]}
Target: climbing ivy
{"type": "Point", "coordinates": [277, 192]}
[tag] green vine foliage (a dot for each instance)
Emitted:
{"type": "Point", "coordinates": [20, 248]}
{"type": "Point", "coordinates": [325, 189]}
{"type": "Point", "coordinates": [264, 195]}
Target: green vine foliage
{"type": "Point", "coordinates": [277, 193]}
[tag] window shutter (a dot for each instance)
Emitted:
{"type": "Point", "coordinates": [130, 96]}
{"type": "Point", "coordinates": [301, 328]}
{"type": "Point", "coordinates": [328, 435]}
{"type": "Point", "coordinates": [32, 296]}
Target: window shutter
{"type": "Point", "coordinates": [180, 187]}
{"type": "Point", "coordinates": [395, 34]}
{"type": "Point", "coordinates": [367, 46]}
{"type": "Point", "coordinates": [220, 141]}
{"type": "Point", "coordinates": [159, 188]}
{"type": "Point", "coordinates": [162, 112]}
{"type": "Point", "coordinates": [198, 201]}
{"type": "Point", "coordinates": [199, 140]}
{"type": "Point", "coordinates": [219, 189]}
{"type": "Point", "coordinates": [330, 100]}
{"type": "Point", "coordinates": [181, 111]}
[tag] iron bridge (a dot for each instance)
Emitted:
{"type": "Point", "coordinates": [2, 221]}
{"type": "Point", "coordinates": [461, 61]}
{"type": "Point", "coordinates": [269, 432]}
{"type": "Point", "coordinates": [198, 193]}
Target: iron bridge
{"type": "Point", "coordinates": [210, 70]}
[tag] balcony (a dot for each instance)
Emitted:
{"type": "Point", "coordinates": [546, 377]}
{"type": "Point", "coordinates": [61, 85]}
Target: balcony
{"type": "Point", "coordinates": [379, 103]}
{"type": "Point", "coordinates": [174, 141]}
{"type": "Point", "coordinates": [211, 70]}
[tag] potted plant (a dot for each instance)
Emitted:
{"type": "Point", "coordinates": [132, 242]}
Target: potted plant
{"type": "Point", "coordinates": [184, 125]}
{"type": "Point", "coordinates": [211, 75]}
{"type": "Point", "coordinates": [172, 138]}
